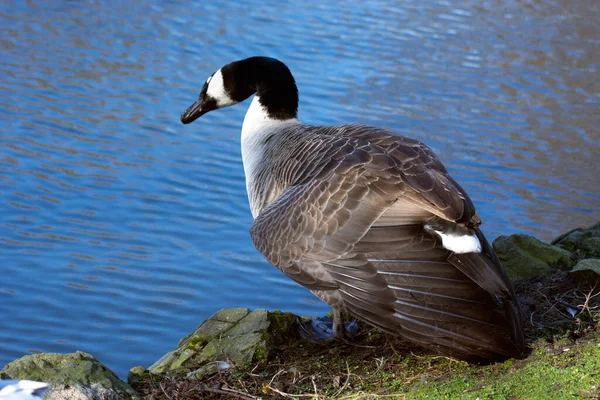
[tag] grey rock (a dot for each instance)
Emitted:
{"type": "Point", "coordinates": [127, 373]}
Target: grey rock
{"type": "Point", "coordinates": [587, 271]}
{"type": "Point", "coordinates": [74, 376]}
{"type": "Point", "coordinates": [526, 257]}
{"type": "Point", "coordinates": [232, 337]}
{"type": "Point", "coordinates": [138, 375]}
{"type": "Point", "coordinates": [584, 241]}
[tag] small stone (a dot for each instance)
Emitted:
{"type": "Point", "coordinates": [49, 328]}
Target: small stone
{"type": "Point", "coordinates": [336, 382]}
{"type": "Point", "coordinates": [587, 271]}
{"type": "Point", "coordinates": [526, 257]}
{"type": "Point", "coordinates": [137, 375]}
{"type": "Point", "coordinates": [209, 369]}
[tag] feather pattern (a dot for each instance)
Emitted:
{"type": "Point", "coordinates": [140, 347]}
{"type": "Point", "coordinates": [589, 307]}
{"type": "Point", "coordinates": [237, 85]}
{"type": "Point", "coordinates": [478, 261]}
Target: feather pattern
{"type": "Point", "coordinates": [370, 221]}
{"type": "Point", "coordinates": [347, 211]}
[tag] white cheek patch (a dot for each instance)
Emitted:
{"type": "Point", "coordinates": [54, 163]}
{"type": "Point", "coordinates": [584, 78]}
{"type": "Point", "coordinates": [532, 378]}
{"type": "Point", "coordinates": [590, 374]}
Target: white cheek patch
{"type": "Point", "coordinates": [216, 90]}
{"type": "Point", "coordinates": [460, 243]}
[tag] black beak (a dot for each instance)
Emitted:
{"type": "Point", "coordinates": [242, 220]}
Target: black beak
{"type": "Point", "coordinates": [193, 112]}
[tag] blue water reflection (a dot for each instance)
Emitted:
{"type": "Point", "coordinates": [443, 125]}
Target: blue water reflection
{"type": "Point", "coordinates": [122, 229]}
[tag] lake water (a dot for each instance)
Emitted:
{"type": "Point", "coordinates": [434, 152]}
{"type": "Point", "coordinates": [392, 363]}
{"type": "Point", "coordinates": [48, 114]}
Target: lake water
{"type": "Point", "coordinates": [121, 229]}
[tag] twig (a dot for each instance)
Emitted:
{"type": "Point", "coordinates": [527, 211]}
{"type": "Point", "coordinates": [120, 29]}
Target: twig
{"type": "Point", "coordinates": [380, 362]}
{"type": "Point", "coordinates": [289, 395]}
{"type": "Point", "coordinates": [588, 297]}
{"type": "Point", "coordinates": [573, 306]}
{"type": "Point", "coordinates": [552, 306]}
{"type": "Point", "coordinates": [276, 375]}
{"type": "Point", "coordinates": [251, 373]}
{"type": "Point", "coordinates": [345, 383]}
{"type": "Point", "coordinates": [303, 378]}
{"type": "Point", "coordinates": [392, 347]}
{"type": "Point", "coordinates": [229, 392]}
{"type": "Point", "coordinates": [354, 344]}
{"type": "Point", "coordinates": [362, 395]}
{"type": "Point", "coordinates": [241, 394]}
{"type": "Point", "coordinates": [163, 390]}
{"type": "Point", "coordinates": [434, 357]}
{"type": "Point", "coordinates": [312, 378]}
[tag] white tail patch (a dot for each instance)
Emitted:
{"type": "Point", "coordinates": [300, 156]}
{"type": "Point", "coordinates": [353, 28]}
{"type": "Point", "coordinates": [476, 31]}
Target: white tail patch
{"type": "Point", "coordinates": [460, 243]}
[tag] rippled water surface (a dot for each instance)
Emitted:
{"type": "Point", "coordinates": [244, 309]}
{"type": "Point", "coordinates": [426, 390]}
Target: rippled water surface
{"type": "Point", "coordinates": [121, 229]}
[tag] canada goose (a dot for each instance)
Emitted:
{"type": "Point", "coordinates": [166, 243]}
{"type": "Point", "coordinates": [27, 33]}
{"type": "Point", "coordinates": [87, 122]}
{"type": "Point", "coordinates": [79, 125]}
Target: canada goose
{"type": "Point", "coordinates": [370, 221]}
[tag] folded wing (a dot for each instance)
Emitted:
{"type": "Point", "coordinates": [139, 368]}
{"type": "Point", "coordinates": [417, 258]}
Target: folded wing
{"type": "Point", "coordinates": [363, 229]}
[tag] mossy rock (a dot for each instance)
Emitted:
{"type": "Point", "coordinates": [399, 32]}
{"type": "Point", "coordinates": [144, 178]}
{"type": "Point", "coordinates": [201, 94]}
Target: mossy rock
{"type": "Point", "coordinates": [584, 241]}
{"type": "Point", "coordinates": [587, 271]}
{"type": "Point", "coordinates": [138, 375]}
{"type": "Point", "coordinates": [235, 336]}
{"type": "Point", "coordinates": [72, 376]}
{"type": "Point", "coordinates": [526, 257]}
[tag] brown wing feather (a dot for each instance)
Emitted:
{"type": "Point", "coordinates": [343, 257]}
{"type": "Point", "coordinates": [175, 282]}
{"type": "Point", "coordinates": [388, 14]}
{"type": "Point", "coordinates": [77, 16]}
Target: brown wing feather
{"type": "Point", "coordinates": [405, 283]}
{"type": "Point", "coordinates": [415, 163]}
{"type": "Point", "coordinates": [322, 230]}
{"type": "Point", "coordinates": [322, 219]}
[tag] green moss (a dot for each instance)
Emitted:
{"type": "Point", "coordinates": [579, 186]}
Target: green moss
{"type": "Point", "coordinates": [260, 352]}
{"type": "Point", "coordinates": [282, 328]}
{"type": "Point", "coordinates": [584, 242]}
{"type": "Point", "coordinates": [196, 342]}
{"type": "Point", "coordinates": [525, 257]}
{"type": "Point", "coordinates": [378, 365]}
{"type": "Point", "coordinates": [74, 369]}
{"type": "Point", "coordinates": [235, 335]}
{"type": "Point", "coordinates": [137, 375]}
{"type": "Point", "coordinates": [561, 372]}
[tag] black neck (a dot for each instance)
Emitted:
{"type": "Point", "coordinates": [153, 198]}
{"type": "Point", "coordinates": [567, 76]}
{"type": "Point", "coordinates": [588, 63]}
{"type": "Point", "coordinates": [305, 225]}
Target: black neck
{"type": "Point", "coordinates": [270, 79]}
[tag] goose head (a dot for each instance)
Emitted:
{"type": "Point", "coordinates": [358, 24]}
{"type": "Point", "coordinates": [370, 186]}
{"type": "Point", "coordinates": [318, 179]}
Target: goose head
{"type": "Point", "coordinates": [235, 82]}
{"type": "Point", "coordinates": [217, 92]}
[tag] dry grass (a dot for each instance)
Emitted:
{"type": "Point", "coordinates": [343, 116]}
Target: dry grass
{"type": "Point", "coordinates": [556, 304]}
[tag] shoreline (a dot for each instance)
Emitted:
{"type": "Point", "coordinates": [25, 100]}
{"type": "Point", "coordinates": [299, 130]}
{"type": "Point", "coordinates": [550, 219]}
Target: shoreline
{"type": "Point", "coordinates": [239, 353]}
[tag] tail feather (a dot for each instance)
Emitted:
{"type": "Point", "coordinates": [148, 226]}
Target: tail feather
{"type": "Point", "coordinates": [402, 280]}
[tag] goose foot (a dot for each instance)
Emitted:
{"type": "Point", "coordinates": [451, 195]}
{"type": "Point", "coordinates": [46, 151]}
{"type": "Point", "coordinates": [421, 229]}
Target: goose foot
{"type": "Point", "coordinates": [326, 328]}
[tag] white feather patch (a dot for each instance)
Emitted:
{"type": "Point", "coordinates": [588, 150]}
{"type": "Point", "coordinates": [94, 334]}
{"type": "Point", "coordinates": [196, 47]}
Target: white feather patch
{"type": "Point", "coordinates": [460, 243]}
{"type": "Point", "coordinates": [257, 127]}
{"type": "Point", "coordinates": [216, 90]}
{"type": "Point", "coordinates": [257, 120]}
{"type": "Point", "coordinates": [22, 389]}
